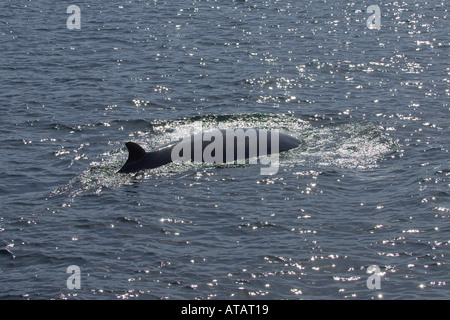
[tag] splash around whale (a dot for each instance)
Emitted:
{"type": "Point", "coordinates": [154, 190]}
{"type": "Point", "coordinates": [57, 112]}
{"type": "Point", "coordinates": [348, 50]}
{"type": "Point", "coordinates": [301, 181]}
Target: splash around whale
{"type": "Point", "coordinates": [215, 146]}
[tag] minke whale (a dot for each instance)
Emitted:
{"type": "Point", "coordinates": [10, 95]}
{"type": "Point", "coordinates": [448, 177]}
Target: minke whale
{"type": "Point", "coordinates": [215, 146]}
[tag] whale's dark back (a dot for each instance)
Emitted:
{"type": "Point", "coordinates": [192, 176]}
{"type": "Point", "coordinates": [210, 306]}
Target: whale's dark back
{"type": "Point", "coordinates": [244, 143]}
{"type": "Point", "coordinates": [217, 146]}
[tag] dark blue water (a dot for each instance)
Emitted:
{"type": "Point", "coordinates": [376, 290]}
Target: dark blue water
{"type": "Point", "coordinates": [369, 186]}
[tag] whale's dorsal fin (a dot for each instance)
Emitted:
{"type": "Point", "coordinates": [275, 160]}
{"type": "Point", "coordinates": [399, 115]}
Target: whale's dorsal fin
{"type": "Point", "coordinates": [135, 152]}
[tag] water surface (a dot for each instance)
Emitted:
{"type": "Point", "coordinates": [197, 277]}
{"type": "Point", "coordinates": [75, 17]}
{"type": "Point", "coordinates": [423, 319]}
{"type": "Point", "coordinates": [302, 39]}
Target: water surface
{"type": "Point", "coordinates": [369, 186]}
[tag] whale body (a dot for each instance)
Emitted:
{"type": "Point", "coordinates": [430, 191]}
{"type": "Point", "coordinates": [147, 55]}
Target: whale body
{"type": "Point", "coordinates": [216, 146]}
